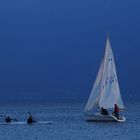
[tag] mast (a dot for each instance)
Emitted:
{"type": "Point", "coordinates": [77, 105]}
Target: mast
{"type": "Point", "coordinates": [103, 66]}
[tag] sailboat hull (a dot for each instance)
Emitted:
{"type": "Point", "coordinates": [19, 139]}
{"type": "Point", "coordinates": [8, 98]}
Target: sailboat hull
{"type": "Point", "coordinates": [104, 118]}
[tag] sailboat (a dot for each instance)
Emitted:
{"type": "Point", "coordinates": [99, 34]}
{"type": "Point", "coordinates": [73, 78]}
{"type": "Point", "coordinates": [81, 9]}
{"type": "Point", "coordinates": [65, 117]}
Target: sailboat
{"type": "Point", "coordinates": [105, 92]}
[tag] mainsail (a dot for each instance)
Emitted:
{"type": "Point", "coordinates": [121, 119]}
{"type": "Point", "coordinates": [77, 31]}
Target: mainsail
{"type": "Point", "coordinates": [105, 92]}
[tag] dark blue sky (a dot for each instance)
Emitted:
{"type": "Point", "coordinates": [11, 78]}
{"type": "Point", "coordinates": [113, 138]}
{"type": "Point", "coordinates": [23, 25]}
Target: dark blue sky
{"type": "Point", "coordinates": [53, 48]}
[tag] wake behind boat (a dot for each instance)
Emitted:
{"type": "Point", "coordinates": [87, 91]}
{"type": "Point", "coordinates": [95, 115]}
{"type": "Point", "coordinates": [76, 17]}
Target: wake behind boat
{"type": "Point", "coordinates": [30, 121]}
{"type": "Point", "coordinates": [106, 92]}
{"type": "Point", "coordinates": [25, 123]}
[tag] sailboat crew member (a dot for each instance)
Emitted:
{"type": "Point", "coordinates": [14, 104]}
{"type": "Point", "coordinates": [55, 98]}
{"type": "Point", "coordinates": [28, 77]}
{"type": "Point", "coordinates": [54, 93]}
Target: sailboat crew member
{"type": "Point", "coordinates": [104, 111]}
{"type": "Point", "coordinates": [116, 111]}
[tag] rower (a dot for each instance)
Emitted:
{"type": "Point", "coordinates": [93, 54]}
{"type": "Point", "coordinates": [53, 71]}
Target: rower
{"type": "Point", "coordinates": [30, 119]}
{"type": "Point", "coordinates": [8, 119]}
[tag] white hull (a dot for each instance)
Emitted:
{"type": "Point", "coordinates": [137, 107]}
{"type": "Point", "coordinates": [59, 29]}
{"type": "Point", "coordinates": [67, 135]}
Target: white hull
{"type": "Point", "coordinates": [97, 117]}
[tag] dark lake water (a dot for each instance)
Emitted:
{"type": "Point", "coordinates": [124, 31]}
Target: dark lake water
{"type": "Point", "coordinates": [68, 123]}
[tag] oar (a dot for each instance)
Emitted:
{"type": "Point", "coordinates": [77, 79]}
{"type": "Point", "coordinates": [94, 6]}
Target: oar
{"type": "Point", "coordinates": [29, 113]}
{"type": "Point", "coordinates": [34, 121]}
{"type": "Point", "coordinates": [14, 119]}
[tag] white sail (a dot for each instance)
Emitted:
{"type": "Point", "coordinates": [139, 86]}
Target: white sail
{"type": "Point", "coordinates": [95, 93]}
{"type": "Point", "coordinates": [105, 92]}
{"type": "Point", "coordinates": [110, 92]}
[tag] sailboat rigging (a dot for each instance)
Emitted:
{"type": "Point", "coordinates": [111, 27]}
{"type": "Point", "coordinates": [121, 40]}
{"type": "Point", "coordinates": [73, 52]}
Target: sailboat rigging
{"type": "Point", "coordinates": [105, 92]}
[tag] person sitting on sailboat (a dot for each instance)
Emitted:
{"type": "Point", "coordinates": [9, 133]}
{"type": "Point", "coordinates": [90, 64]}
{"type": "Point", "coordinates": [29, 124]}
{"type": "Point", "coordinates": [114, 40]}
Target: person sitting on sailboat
{"type": "Point", "coordinates": [104, 111]}
{"type": "Point", "coordinates": [116, 111]}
